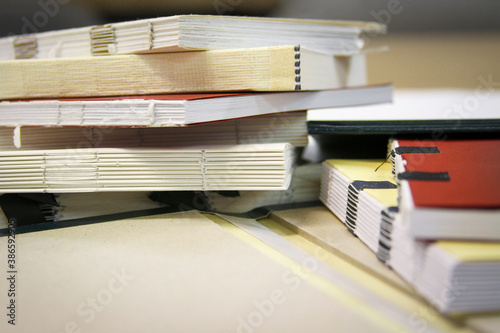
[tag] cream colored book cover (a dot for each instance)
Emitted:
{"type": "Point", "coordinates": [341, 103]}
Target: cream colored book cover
{"type": "Point", "coordinates": [284, 68]}
{"type": "Point", "coordinates": [227, 167]}
{"type": "Point", "coordinates": [289, 127]}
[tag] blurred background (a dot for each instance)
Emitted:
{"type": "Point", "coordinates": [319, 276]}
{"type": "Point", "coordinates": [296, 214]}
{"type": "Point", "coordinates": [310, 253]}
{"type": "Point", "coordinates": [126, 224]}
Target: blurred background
{"type": "Point", "coordinates": [446, 43]}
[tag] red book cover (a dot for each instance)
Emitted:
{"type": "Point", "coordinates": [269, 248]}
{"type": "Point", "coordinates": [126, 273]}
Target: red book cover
{"type": "Point", "coordinates": [472, 168]}
{"type": "Point", "coordinates": [159, 97]}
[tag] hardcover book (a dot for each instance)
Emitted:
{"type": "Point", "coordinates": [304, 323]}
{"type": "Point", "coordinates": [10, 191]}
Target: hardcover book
{"type": "Point", "coordinates": [413, 112]}
{"type": "Point", "coordinates": [449, 189]}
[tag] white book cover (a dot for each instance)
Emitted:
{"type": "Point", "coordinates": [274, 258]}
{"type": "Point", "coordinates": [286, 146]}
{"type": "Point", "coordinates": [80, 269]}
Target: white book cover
{"type": "Point", "coordinates": [227, 167]}
{"type": "Point", "coordinates": [191, 32]}
{"type": "Point", "coordinates": [287, 127]}
{"type": "Point", "coordinates": [180, 109]}
{"type": "Point", "coordinates": [452, 105]}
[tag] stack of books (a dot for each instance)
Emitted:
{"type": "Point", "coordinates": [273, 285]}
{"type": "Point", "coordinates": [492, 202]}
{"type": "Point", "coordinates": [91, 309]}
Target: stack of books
{"type": "Point", "coordinates": [181, 103]}
{"type": "Point", "coordinates": [211, 113]}
{"type": "Point", "coordinates": [432, 215]}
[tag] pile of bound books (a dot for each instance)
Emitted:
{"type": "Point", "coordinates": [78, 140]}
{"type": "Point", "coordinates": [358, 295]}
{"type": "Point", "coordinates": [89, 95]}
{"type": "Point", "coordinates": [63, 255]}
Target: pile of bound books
{"type": "Point", "coordinates": [432, 215]}
{"type": "Point", "coordinates": [220, 105]}
{"type": "Point", "coordinates": [182, 103]}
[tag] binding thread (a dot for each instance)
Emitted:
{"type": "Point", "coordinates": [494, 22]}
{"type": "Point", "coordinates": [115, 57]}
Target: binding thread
{"type": "Point", "coordinates": [421, 175]}
{"type": "Point", "coordinates": [353, 199]}
{"type": "Point", "coordinates": [416, 150]}
{"type": "Point", "coordinates": [101, 37]}
{"type": "Point", "coordinates": [203, 162]}
{"type": "Point", "coordinates": [384, 242]}
{"type": "Point", "coordinates": [25, 47]}
{"type": "Point", "coordinates": [152, 113]}
{"type": "Point", "coordinates": [298, 85]}
{"type": "Point", "coordinates": [151, 36]}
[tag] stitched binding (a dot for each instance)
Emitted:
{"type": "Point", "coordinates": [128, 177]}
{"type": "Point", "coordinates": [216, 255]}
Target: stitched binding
{"type": "Point", "coordinates": [420, 175]}
{"type": "Point", "coordinates": [384, 242]}
{"type": "Point", "coordinates": [353, 199]}
{"type": "Point", "coordinates": [298, 85]}
{"type": "Point", "coordinates": [151, 36]}
{"type": "Point", "coordinates": [152, 113]}
{"type": "Point", "coordinates": [101, 37]}
{"type": "Point", "coordinates": [203, 169]}
{"type": "Point", "coordinates": [25, 47]}
{"type": "Point", "coordinates": [416, 150]}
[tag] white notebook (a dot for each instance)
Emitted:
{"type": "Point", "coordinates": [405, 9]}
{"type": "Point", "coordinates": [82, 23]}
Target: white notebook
{"type": "Point", "coordinates": [227, 167]}
{"type": "Point", "coordinates": [446, 105]}
{"type": "Point", "coordinates": [180, 110]}
{"type": "Point", "coordinates": [60, 207]}
{"type": "Point", "coordinates": [287, 127]}
{"type": "Point", "coordinates": [190, 32]}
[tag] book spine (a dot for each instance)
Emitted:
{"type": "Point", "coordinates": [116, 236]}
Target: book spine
{"type": "Point", "coordinates": [261, 69]}
{"type": "Point", "coordinates": [298, 85]}
{"type": "Point", "coordinates": [102, 39]}
{"type": "Point", "coordinates": [25, 47]}
{"type": "Point", "coordinates": [353, 199]}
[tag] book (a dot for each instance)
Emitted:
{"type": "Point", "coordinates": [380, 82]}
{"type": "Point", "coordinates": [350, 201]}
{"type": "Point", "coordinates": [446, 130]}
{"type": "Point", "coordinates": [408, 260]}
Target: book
{"type": "Point", "coordinates": [359, 196]}
{"type": "Point", "coordinates": [286, 127]}
{"type": "Point", "coordinates": [190, 32]}
{"type": "Point", "coordinates": [304, 187]}
{"type": "Point", "coordinates": [449, 188]}
{"type": "Point", "coordinates": [414, 111]}
{"type": "Point", "coordinates": [454, 276]}
{"type": "Point", "coordinates": [63, 207]}
{"type": "Point", "coordinates": [282, 68]}
{"type": "Point", "coordinates": [29, 209]}
{"type": "Point", "coordinates": [226, 167]}
{"type": "Point", "coordinates": [363, 194]}
{"type": "Point", "coordinates": [179, 109]}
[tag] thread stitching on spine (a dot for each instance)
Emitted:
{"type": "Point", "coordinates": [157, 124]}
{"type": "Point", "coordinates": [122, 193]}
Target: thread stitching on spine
{"type": "Point", "coordinates": [25, 47]}
{"type": "Point", "coordinates": [152, 112]}
{"type": "Point", "coordinates": [385, 239]}
{"type": "Point", "coordinates": [151, 36]}
{"type": "Point", "coordinates": [203, 170]}
{"type": "Point", "coordinates": [298, 83]}
{"type": "Point", "coordinates": [101, 37]}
